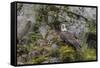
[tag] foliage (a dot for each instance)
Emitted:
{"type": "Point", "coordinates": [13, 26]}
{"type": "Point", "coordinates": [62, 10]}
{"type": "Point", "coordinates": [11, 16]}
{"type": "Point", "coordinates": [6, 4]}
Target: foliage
{"type": "Point", "coordinates": [39, 60]}
{"type": "Point", "coordinates": [89, 54]}
{"type": "Point", "coordinates": [67, 53]}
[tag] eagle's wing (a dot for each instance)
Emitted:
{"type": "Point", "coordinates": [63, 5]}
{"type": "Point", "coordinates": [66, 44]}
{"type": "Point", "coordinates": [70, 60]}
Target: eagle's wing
{"type": "Point", "coordinates": [75, 43]}
{"type": "Point", "coordinates": [69, 38]}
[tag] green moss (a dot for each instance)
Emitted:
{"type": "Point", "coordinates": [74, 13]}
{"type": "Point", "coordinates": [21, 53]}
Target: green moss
{"type": "Point", "coordinates": [92, 27]}
{"type": "Point", "coordinates": [89, 54]}
{"type": "Point", "coordinates": [34, 36]}
{"type": "Point", "coordinates": [39, 59]}
{"type": "Point", "coordinates": [42, 57]}
{"type": "Point", "coordinates": [67, 53]}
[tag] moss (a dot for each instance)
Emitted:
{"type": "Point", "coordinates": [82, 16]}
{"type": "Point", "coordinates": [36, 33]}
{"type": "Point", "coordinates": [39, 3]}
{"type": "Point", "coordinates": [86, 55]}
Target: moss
{"type": "Point", "coordinates": [44, 54]}
{"type": "Point", "coordinates": [91, 27]}
{"type": "Point", "coordinates": [39, 60]}
{"type": "Point", "coordinates": [89, 54]}
{"type": "Point", "coordinates": [34, 36]}
{"type": "Point", "coordinates": [67, 53]}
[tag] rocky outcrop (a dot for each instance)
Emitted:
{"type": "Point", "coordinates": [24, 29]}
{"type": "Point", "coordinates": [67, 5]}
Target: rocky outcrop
{"type": "Point", "coordinates": [76, 18]}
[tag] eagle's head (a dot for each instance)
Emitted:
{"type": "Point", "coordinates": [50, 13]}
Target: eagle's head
{"type": "Point", "coordinates": [63, 27]}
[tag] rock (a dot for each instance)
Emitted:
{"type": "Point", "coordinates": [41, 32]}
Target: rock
{"type": "Point", "coordinates": [20, 63]}
{"type": "Point", "coordinates": [19, 59]}
{"type": "Point", "coordinates": [50, 37]}
{"type": "Point", "coordinates": [23, 58]}
{"type": "Point", "coordinates": [25, 21]}
{"type": "Point", "coordinates": [45, 62]}
{"type": "Point", "coordinates": [42, 42]}
{"type": "Point", "coordinates": [91, 40]}
{"type": "Point", "coordinates": [55, 46]}
{"type": "Point", "coordinates": [50, 19]}
{"type": "Point", "coordinates": [43, 30]}
{"type": "Point", "coordinates": [55, 52]}
{"type": "Point", "coordinates": [54, 60]}
{"type": "Point", "coordinates": [75, 18]}
{"type": "Point", "coordinates": [34, 53]}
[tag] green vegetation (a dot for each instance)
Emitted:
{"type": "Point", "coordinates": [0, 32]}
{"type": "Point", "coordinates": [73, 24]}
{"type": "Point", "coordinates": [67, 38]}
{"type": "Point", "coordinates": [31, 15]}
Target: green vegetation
{"type": "Point", "coordinates": [89, 54]}
{"type": "Point", "coordinates": [67, 54]}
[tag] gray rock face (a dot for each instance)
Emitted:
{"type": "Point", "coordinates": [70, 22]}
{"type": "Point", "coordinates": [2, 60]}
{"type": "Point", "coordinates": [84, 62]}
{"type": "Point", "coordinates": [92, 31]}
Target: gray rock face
{"type": "Point", "coordinates": [79, 26]}
{"type": "Point", "coordinates": [23, 26]}
{"type": "Point", "coordinates": [25, 20]}
{"type": "Point", "coordinates": [89, 13]}
{"type": "Point", "coordinates": [75, 18]}
{"type": "Point", "coordinates": [43, 30]}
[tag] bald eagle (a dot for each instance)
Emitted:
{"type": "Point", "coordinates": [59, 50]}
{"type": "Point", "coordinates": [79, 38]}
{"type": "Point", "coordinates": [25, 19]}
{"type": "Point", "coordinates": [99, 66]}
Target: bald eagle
{"type": "Point", "coordinates": [69, 38]}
